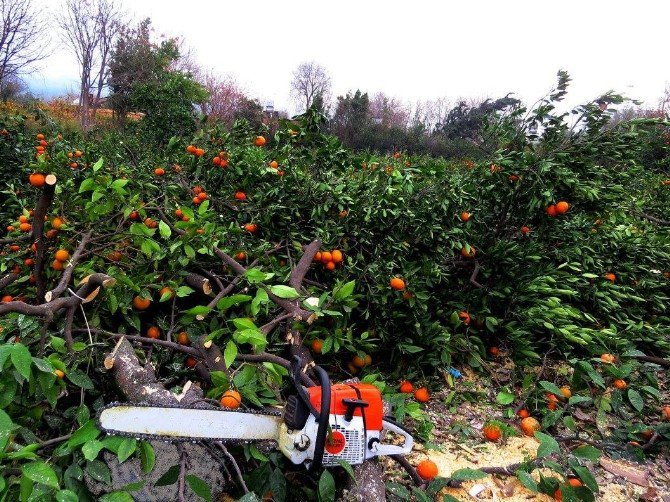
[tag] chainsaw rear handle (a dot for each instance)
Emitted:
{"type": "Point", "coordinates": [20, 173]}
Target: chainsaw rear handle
{"type": "Point", "coordinates": [322, 416]}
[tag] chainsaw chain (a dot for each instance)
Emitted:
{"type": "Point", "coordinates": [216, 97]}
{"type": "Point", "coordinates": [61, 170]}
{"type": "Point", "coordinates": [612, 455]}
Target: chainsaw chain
{"type": "Point", "coordinates": [169, 439]}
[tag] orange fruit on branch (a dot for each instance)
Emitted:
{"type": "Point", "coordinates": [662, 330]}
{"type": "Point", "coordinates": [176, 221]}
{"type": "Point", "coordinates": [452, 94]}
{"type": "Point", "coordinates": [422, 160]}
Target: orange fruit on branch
{"type": "Point", "coordinates": [562, 207]}
{"type": "Point", "coordinates": [159, 171]}
{"type": "Point", "coordinates": [183, 339]}
{"type": "Point", "coordinates": [523, 413]}
{"type": "Point", "coordinates": [610, 277]}
{"type": "Point", "coordinates": [231, 399]}
{"type": "Point", "coordinates": [37, 180]}
{"type": "Point", "coordinates": [406, 387]}
{"type": "Point", "coordinates": [525, 230]}
{"type": "Point", "coordinates": [575, 482]}
{"type": "Point", "coordinates": [259, 141]}
{"type": "Point", "coordinates": [59, 373]}
{"type": "Point", "coordinates": [470, 254]}
{"type": "Point", "coordinates": [317, 345]}
{"type": "Point", "coordinates": [465, 216]}
{"type": "Point", "coordinates": [141, 303]}
{"type": "Point", "coordinates": [240, 196]}
{"type": "Point", "coordinates": [330, 265]}
{"type": "Point", "coordinates": [551, 210]}
{"type": "Point", "coordinates": [397, 284]}
{"type": "Point", "coordinates": [326, 256]}
{"type": "Point", "coordinates": [62, 255]}
{"type": "Point", "coordinates": [566, 392]}
{"type": "Point", "coordinates": [251, 228]}
{"type": "Point", "coordinates": [337, 256]}
{"type": "Point", "coordinates": [154, 332]}
{"type": "Point", "coordinates": [191, 362]}
{"type": "Point", "coordinates": [57, 265]}
{"type": "Point", "coordinates": [464, 317]}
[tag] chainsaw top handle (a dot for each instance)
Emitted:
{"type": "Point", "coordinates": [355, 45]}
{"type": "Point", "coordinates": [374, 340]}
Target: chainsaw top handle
{"type": "Point", "coordinates": [322, 416]}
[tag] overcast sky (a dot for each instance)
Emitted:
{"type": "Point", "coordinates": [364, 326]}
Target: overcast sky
{"type": "Point", "coordinates": [414, 50]}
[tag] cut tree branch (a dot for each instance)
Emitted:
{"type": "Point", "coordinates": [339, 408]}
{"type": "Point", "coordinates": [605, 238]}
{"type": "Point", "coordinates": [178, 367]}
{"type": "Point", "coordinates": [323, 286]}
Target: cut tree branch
{"type": "Point", "coordinates": [38, 233]}
{"type": "Point", "coordinates": [301, 269]}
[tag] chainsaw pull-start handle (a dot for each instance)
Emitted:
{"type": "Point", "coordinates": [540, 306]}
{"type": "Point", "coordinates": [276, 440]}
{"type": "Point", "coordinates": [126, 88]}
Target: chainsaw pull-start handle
{"type": "Point", "coordinates": [391, 449]}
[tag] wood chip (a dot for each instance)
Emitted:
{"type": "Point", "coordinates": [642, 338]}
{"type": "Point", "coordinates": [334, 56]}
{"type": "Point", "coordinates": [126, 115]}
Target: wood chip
{"type": "Point", "coordinates": [628, 472]}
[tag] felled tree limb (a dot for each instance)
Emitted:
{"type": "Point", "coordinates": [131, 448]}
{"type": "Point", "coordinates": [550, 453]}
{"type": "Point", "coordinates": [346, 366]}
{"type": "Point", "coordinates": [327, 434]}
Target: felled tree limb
{"type": "Point", "coordinates": [652, 359]}
{"type": "Point", "coordinates": [69, 270]}
{"type": "Point", "coordinates": [199, 283]}
{"type": "Point", "coordinates": [8, 279]}
{"type": "Point", "coordinates": [138, 383]}
{"type": "Point", "coordinates": [136, 338]}
{"type": "Point", "coordinates": [48, 309]}
{"type": "Point", "coordinates": [301, 269]}
{"type": "Point", "coordinates": [43, 204]}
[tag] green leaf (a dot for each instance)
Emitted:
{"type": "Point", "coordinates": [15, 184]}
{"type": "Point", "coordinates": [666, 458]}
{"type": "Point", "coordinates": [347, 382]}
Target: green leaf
{"type": "Point", "coordinates": [344, 291]}
{"type": "Point", "coordinates": [40, 472]}
{"type": "Point", "coordinates": [80, 379]}
{"type": "Point", "coordinates": [98, 164]}
{"type": "Point", "coordinates": [349, 470]}
{"type": "Point", "coordinates": [548, 444]}
{"type": "Point", "coordinates": [636, 399]}
{"type": "Point", "coordinates": [326, 487]}
{"type": "Point", "coordinates": [126, 449]}
{"type": "Point", "coordinates": [66, 496]}
{"type": "Point", "coordinates": [117, 497]}
{"type": "Point", "coordinates": [504, 398]}
{"type": "Point", "coordinates": [284, 292]}
{"type": "Point", "coordinates": [527, 480]}
{"type": "Point", "coordinates": [199, 487]}
{"type": "Point", "coordinates": [22, 359]}
{"type": "Point", "coordinates": [86, 185]}
{"type": "Point", "coordinates": [147, 456]}
{"type": "Point", "coordinates": [467, 474]}
{"type": "Point", "coordinates": [199, 310]}
{"type": "Point", "coordinates": [550, 387]}
{"type": "Point", "coordinates": [398, 490]}
{"type": "Point", "coordinates": [6, 428]}
{"type": "Point", "coordinates": [91, 449]}
{"type": "Point", "coordinates": [183, 291]}
{"type": "Point", "coordinates": [164, 229]}
{"type": "Point", "coordinates": [244, 323]}
{"type": "Point", "coordinates": [170, 477]}
{"type": "Point", "coordinates": [229, 353]}
{"type": "Point", "coordinates": [588, 478]}
{"type": "Point", "coordinates": [587, 452]}
{"type": "Point", "coordinates": [230, 301]}
{"type": "Point", "coordinates": [99, 471]}
{"type": "Point", "coordinates": [85, 433]}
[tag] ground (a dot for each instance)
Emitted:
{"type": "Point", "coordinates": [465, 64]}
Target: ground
{"type": "Point", "coordinates": [457, 443]}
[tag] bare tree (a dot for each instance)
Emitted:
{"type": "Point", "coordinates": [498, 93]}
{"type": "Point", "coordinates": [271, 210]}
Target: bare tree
{"type": "Point", "coordinates": [89, 28]}
{"type": "Point", "coordinates": [389, 111]}
{"type": "Point", "coordinates": [226, 98]}
{"type": "Point", "coordinates": [309, 81]}
{"type": "Point", "coordinates": [21, 41]}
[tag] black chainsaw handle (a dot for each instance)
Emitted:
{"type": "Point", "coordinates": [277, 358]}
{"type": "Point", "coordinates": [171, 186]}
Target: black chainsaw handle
{"type": "Point", "coordinates": [322, 416]}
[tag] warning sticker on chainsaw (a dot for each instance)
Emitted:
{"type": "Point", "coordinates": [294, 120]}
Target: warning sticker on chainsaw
{"type": "Point", "coordinates": [335, 443]}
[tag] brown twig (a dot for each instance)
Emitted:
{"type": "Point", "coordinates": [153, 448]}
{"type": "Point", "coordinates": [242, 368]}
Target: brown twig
{"type": "Point", "coordinates": [233, 462]}
{"type": "Point", "coordinates": [137, 338]}
{"type": "Point", "coordinates": [69, 270]}
{"type": "Point", "coordinates": [652, 359]}
{"type": "Point", "coordinates": [183, 465]}
{"type": "Point", "coordinates": [404, 463]}
{"type": "Point", "coordinates": [654, 219]}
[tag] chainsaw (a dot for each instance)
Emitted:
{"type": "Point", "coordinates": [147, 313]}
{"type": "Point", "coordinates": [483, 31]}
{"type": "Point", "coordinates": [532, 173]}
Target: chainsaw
{"type": "Point", "coordinates": [319, 426]}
